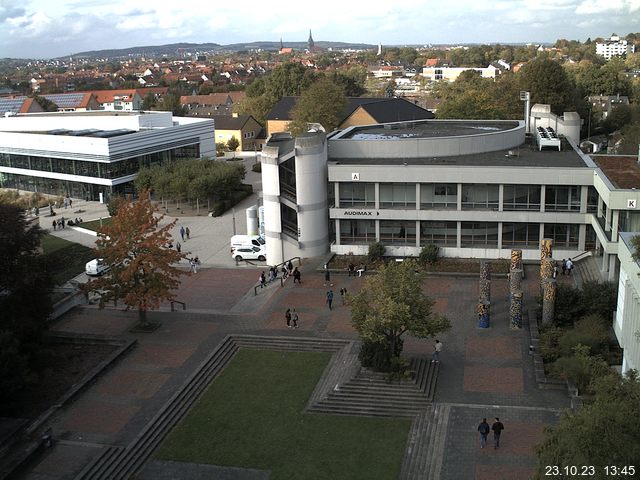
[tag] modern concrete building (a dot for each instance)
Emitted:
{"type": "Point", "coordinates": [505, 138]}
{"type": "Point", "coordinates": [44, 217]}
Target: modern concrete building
{"type": "Point", "coordinates": [451, 74]}
{"type": "Point", "coordinates": [474, 188]}
{"type": "Point", "coordinates": [626, 323]}
{"type": "Point", "coordinates": [94, 154]}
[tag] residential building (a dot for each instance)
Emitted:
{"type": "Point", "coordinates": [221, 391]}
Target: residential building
{"type": "Point", "coordinates": [212, 104]}
{"type": "Point", "coordinates": [451, 74]}
{"type": "Point", "coordinates": [358, 111]}
{"type": "Point", "coordinates": [614, 47]}
{"type": "Point", "coordinates": [243, 128]}
{"type": "Point", "coordinates": [119, 100]}
{"type": "Point", "coordinates": [605, 104]}
{"type": "Point", "coordinates": [94, 154]}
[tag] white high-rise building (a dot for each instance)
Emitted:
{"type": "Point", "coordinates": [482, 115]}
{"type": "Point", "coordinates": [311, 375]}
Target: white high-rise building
{"type": "Point", "coordinates": [614, 47]}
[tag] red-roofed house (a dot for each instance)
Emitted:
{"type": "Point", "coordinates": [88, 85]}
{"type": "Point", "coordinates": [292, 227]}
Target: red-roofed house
{"type": "Point", "coordinates": [116, 100]}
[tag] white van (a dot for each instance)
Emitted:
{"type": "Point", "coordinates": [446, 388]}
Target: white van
{"type": "Point", "coordinates": [96, 267]}
{"type": "Point", "coordinates": [246, 240]}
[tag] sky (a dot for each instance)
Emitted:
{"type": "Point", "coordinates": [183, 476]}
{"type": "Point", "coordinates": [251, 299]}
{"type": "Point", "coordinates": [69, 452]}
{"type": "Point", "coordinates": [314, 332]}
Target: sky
{"type": "Point", "coordinates": [55, 28]}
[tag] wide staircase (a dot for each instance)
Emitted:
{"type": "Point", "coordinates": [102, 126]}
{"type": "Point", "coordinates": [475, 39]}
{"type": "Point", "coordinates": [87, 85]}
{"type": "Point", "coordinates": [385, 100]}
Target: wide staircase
{"type": "Point", "coordinates": [117, 462]}
{"type": "Point", "coordinates": [372, 393]}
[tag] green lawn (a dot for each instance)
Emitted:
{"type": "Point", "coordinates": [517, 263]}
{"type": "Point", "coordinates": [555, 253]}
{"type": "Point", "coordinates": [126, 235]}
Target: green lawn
{"type": "Point", "coordinates": [95, 224]}
{"type": "Point", "coordinates": [252, 416]}
{"type": "Point", "coordinates": [64, 259]}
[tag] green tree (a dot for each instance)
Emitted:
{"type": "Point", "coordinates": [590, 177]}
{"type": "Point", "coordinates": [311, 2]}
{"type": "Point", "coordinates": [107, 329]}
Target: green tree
{"type": "Point", "coordinates": [143, 271]}
{"type": "Point", "coordinates": [233, 144]}
{"type": "Point", "coordinates": [393, 303]}
{"type": "Point", "coordinates": [25, 302]}
{"type": "Point", "coordinates": [149, 102]}
{"type": "Point", "coordinates": [603, 433]}
{"type": "Point", "coordinates": [549, 84]}
{"type": "Point", "coordinates": [171, 103]}
{"type": "Point", "coordinates": [630, 139]}
{"type": "Point", "coordinates": [46, 104]}
{"type": "Point", "coordinates": [323, 102]}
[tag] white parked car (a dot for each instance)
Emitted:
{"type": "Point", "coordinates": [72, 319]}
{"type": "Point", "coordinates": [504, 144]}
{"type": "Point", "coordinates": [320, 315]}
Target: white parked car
{"type": "Point", "coordinates": [238, 241]}
{"type": "Point", "coordinates": [96, 267]}
{"type": "Point", "coordinates": [249, 252]}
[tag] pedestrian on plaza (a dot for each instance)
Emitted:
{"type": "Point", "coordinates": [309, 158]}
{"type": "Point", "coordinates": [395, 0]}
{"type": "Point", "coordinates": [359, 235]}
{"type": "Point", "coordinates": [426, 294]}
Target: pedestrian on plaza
{"type": "Point", "coordinates": [294, 318]}
{"type": "Point", "coordinates": [262, 279]}
{"type": "Point", "coordinates": [564, 267]}
{"type": "Point", "coordinates": [51, 212]}
{"type": "Point", "coordinates": [273, 274]}
{"type": "Point", "coordinates": [290, 266]}
{"type": "Point", "coordinates": [327, 276]}
{"type": "Point", "coordinates": [329, 298]}
{"type": "Point", "coordinates": [65, 201]}
{"type": "Point", "coordinates": [70, 202]}
{"type": "Point", "coordinates": [437, 348]}
{"type": "Point", "coordinates": [178, 247]}
{"type": "Point", "coordinates": [297, 276]}
{"type": "Point", "coordinates": [343, 293]}
{"type": "Point", "coordinates": [182, 233]}
{"type": "Point", "coordinates": [569, 266]}
{"type": "Point", "coordinates": [555, 270]}
{"type": "Point", "coordinates": [484, 430]}
{"type": "Point", "coordinates": [287, 316]}
{"type": "Point", "coordinates": [285, 271]}
{"type": "Point", "coordinates": [62, 222]}
{"type": "Point", "coordinates": [188, 233]}
{"type": "Point", "coordinates": [195, 263]}
{"type": "Point", "coordinates": [497, 428]}
{"type": "Point", "coordinates": [352, 269]}
{"type": "Point", "coordinates": [55, 225]}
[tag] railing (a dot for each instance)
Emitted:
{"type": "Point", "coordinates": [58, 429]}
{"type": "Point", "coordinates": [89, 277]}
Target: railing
{"type": "Point", "coordinates": [278, 267]}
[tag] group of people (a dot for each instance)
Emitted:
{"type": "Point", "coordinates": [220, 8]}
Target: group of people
{"type": "Point", "coordinates": [287, 269]}
{"type": "Point", "coordinates": [291, 316]}
{"type": "Point", "coordinates": [567, 266]}
{"type": "Point", "coordinates": [352, 271]}
{"type": "Point", "coordinates": [67, 201]}
{"type": "Point", "coordinates": [195, 264]}
{"type": "Point", "coordinates": [484, 430]}
{"type": "Point", "coordinates": [185, 233]}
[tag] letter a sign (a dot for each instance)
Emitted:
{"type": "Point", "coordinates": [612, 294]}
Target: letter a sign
{"type": "Point", "coordinates": [355, 177]}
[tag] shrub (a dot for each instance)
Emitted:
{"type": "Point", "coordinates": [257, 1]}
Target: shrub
{"type": "Point", "coordinates": [430, 254]}
{"type": "Point", "coordinates": [549, 343]}
{"type": "Point", "coordinates": [376, 251]}
{"type": "Point", "coordinates": [581, 368]}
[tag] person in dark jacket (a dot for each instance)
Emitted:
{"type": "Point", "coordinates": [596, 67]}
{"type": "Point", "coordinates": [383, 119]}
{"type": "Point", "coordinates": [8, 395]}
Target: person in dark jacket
{"type": "Point", "coordinates": [484, 430]}
{"type": "Point", "coordinates": [497, 428]}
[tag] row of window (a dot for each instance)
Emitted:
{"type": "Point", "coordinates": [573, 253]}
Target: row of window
{"type": "Point", "coordinates": [117, 169]}
{"type": "Point", "coordinates": [472, 234]}
{"type": "Point", "coordinates": [52, 186]}
{"type": "Point", "coordinates": [473, 196]}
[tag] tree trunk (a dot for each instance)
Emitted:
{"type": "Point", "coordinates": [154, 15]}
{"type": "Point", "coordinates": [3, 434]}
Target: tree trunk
{"type": "Point", "coordinates": [142, 316]}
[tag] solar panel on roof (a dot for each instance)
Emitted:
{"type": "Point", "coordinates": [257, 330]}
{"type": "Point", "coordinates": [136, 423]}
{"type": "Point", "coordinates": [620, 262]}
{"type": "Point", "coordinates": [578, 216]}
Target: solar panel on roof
{"type": "Point", "coordinates": [66, 100]}
{"type": "Point", "coordinates": [85, 132]}
{"type": "Point", "coordinates": [11, 105]}
{"type": "Point", "coordinates": [111, 133]}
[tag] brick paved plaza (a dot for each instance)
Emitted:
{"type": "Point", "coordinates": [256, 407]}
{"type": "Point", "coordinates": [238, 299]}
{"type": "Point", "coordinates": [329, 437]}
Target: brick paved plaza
{"type": "Point", "coordinates": [483, 372]}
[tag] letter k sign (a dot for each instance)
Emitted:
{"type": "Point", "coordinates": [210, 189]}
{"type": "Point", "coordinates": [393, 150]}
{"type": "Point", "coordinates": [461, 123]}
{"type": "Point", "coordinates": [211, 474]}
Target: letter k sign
{"type": "Point", "coordinates": [631, 203]}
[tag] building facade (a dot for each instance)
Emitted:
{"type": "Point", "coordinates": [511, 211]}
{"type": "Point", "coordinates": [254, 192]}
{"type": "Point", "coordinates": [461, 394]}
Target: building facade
{"type": "Point", "coordinates": [94, 154]}
{"type": "Point", "coordinates": [614, 47]}
{"type": "Point", "coordinates": [451, 74]}
{"type": "Point", "coordinates": [474, 188]}
{"type": "Point", "coordinates": [626, 323]}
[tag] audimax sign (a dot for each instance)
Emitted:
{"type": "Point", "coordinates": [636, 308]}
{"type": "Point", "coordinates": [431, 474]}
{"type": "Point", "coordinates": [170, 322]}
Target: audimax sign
{"type": "Point", "coordinates": [361, 213]}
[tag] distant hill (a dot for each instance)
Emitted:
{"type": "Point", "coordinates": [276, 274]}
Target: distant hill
{"type": "Point", "coordinates": [177, 48]}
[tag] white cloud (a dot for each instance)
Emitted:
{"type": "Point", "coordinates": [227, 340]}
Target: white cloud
{"type": "Point", "coordinates": [592, 7]}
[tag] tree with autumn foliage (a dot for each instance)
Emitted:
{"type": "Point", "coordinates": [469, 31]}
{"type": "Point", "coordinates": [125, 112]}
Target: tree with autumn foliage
{"type": "Point", "coordinates": [143, 265]}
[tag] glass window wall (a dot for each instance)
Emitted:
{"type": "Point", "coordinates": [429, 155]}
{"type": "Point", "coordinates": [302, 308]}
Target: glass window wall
{"type": "Point", "coordinates": [521, 197]}
{"type": "Point", "coordinates": [520, 235]}
{"type": "Point", "coordinates": [439, 233]}
{"type": "Point", "coordinates": [480, 234]}
{"type": "Point", "coordinates": [357, 195]}
{"type": "Point", "coordinates": [479, 196]}
{"type": "Point", "coordinates": [398, 195]}
{"type": "Point", "coordinates": [562, 199]}
{"type": "Point", "coordinates": [357, 231]}
{"type": "Point", "coordinates": [398, 232]}
{"type": "Point", "coordinates": [439, 196]}
{"type": "Point", "coordinates": [562, 235]}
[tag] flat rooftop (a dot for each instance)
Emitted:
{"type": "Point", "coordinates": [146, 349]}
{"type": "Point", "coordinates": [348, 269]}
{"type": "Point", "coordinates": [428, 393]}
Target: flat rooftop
{"type": "Point", "coordinates": [427, 129]}
{"type": "Point", "coordinates": [622, 170]}
{"type": "Point", "coordinates": [526, 155]}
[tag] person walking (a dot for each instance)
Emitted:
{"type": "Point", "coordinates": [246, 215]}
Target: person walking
{"type": "Point", "coordinates": [287, 316]}
{"type": "Point", "coordinates": [187, 232]}
{"type": "Point", "coordinates": [296, 275]}
{"type": "Point", "coordinates": [437, 348]}
{"type": "Point", "coordinates": [497, 428]}
{"type": "Point", "coordinates": [327, 276]}
{"type": "Point", "coordinates": [569, 266]}
{"type": "Point", "coordinates": [329, 298]}
{"type": "Point", "coordinates": [262, 279]}
{"type": "Point", "coordinates": [484, 430]}
{"type": "Point", "coordinates": [343, 293]}
{"type": "Point", "coordinates": [178, 247]}
{"type": "Point", "coordinates": [55, 225]}
{"type": "Point", "coordinates": [294, 318]}
{"type": "Point", "coordinates": [352, 269]}
{"type": "Point", "coordinates": [182, 233]}
{"type": "Point", "coordinates": [564, 267]}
